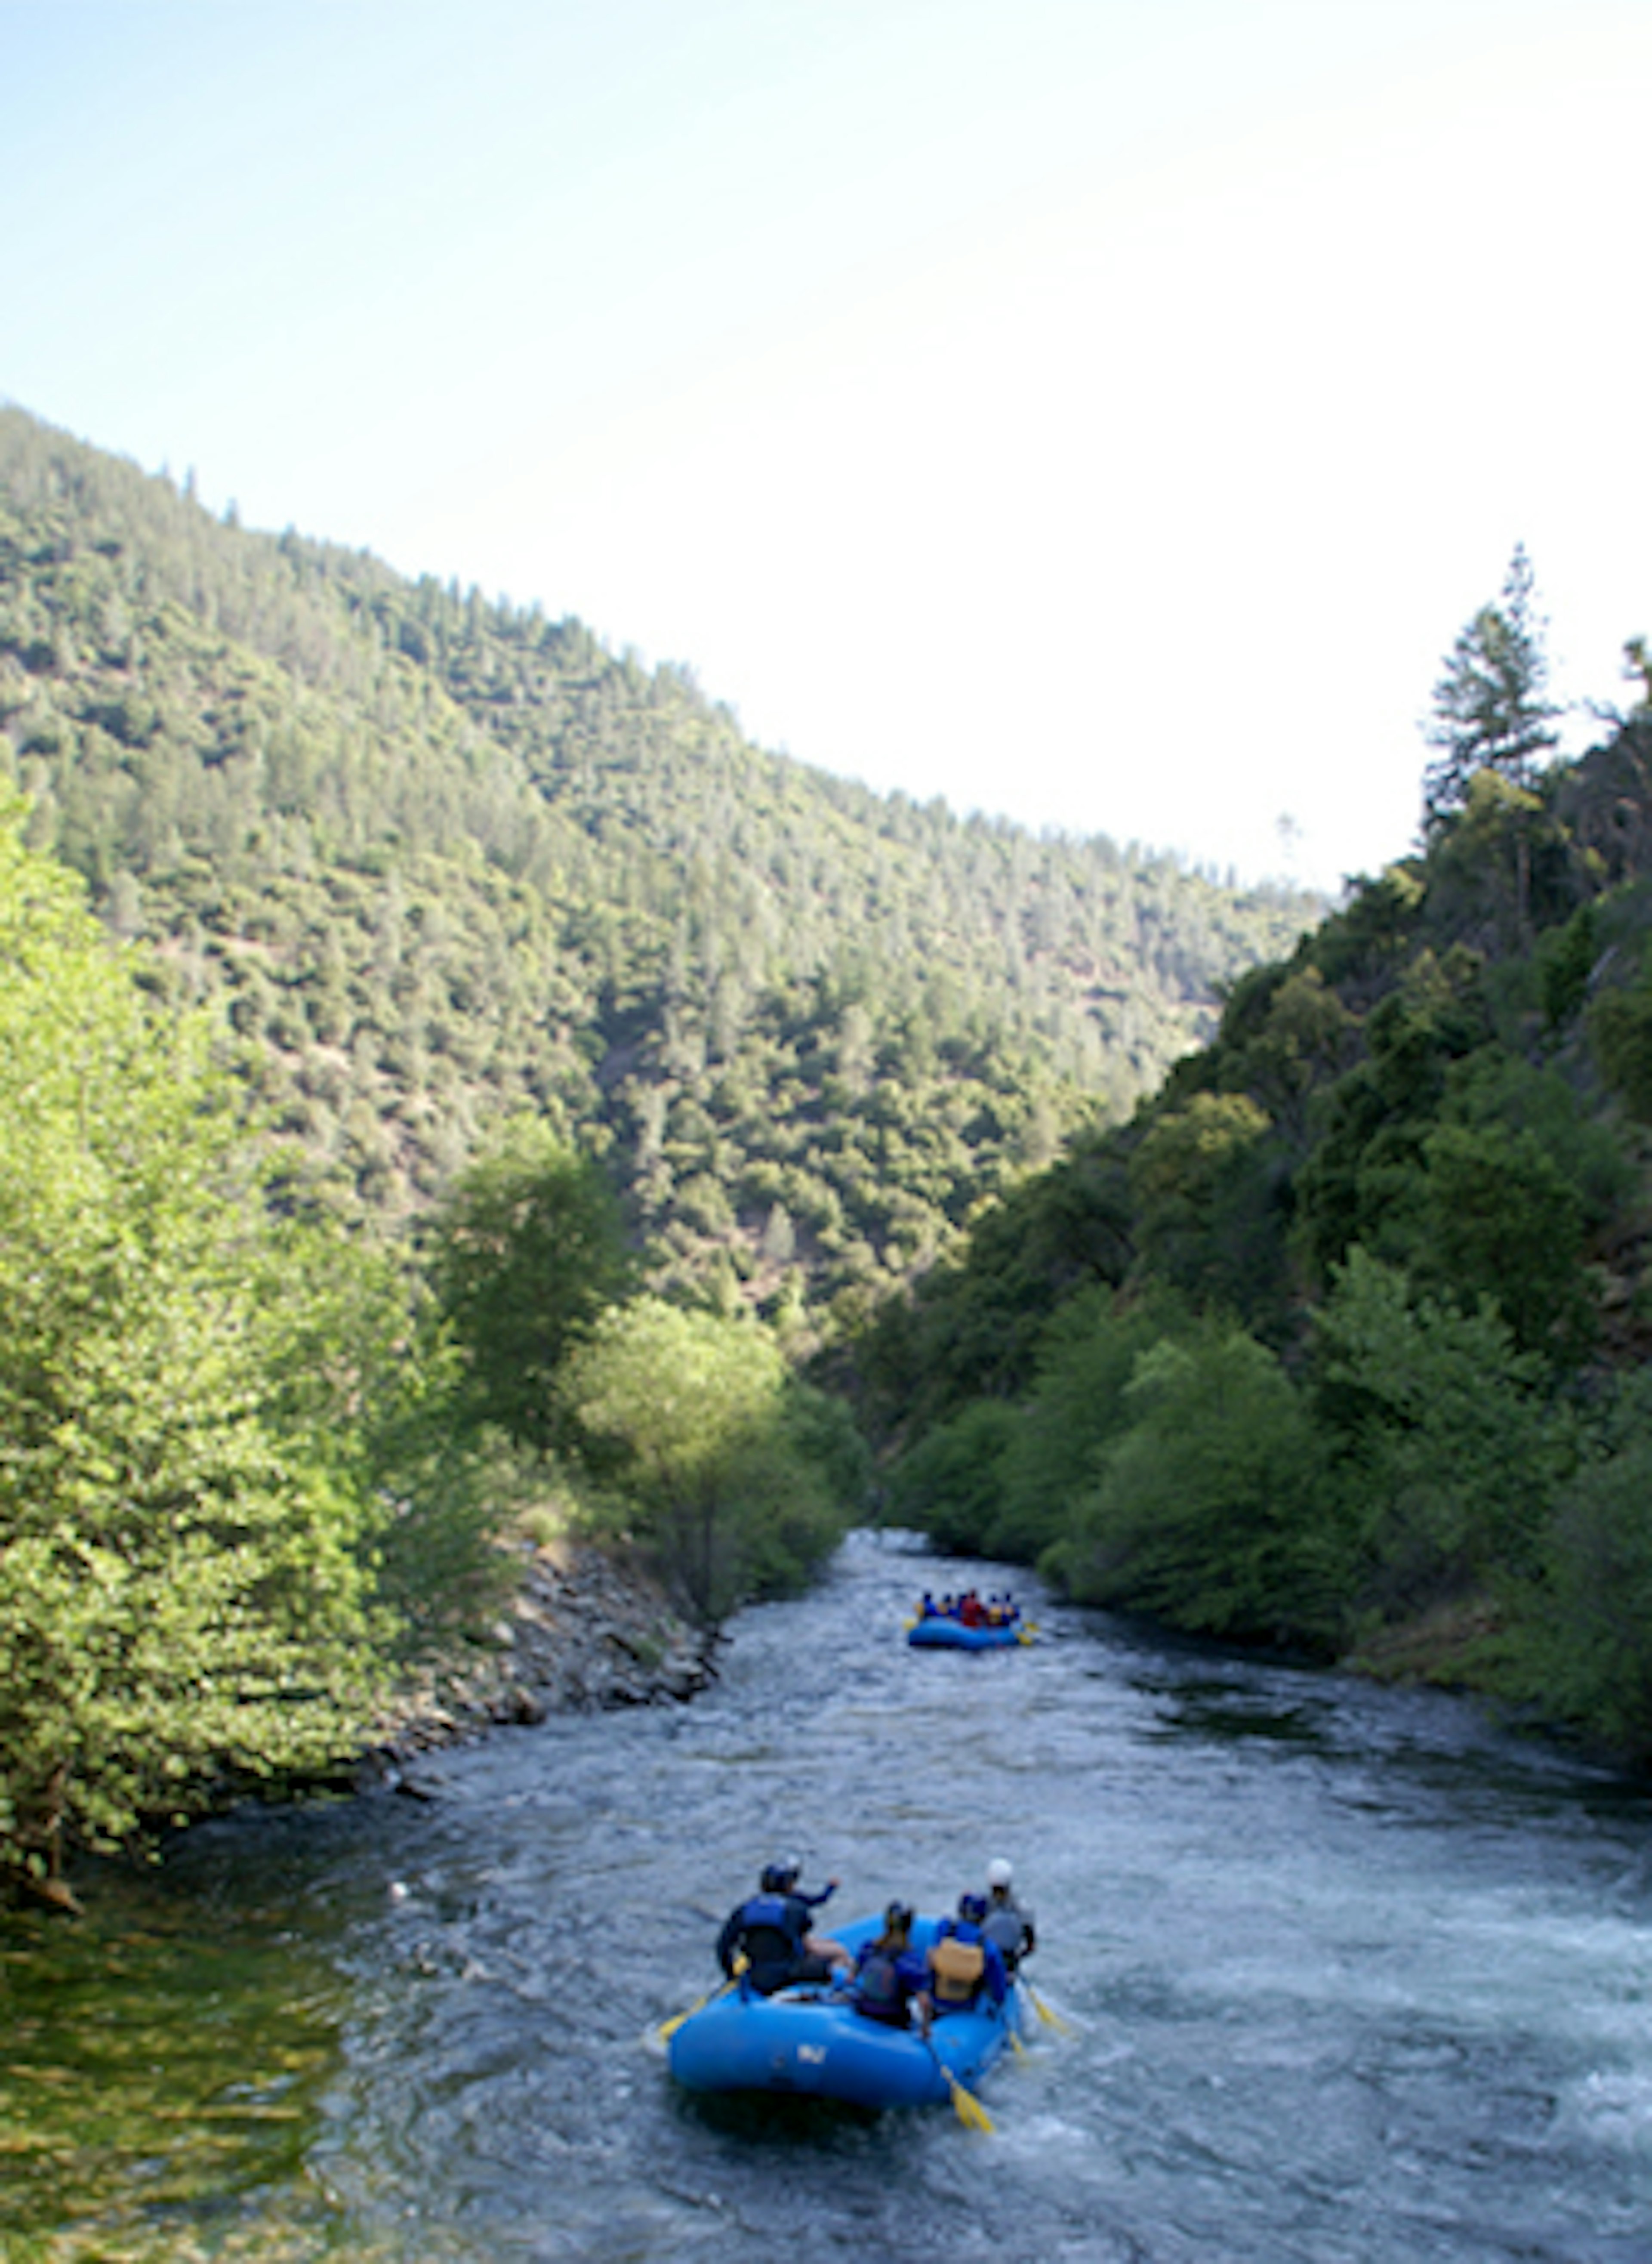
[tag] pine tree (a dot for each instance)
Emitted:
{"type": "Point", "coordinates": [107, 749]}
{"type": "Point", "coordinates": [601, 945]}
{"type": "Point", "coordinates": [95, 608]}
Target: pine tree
{"type": "Point", "coordinates": [1490, 711]}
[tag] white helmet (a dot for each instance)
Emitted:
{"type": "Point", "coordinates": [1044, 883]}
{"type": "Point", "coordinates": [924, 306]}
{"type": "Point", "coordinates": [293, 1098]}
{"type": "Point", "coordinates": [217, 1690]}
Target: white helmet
{"type": "Point", "coordinates": [998, 1873]}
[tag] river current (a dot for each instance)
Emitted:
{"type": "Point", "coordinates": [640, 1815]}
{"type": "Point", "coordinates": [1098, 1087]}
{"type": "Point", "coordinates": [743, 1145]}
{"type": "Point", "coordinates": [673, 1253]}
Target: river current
{"type": "Point", "coordinates": [1331, 1975]}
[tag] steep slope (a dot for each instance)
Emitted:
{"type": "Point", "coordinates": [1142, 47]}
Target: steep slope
{"type": "Point", "coordinates": [1344, 1341]}
{"type": "Point", "coordinates": [444, 859]}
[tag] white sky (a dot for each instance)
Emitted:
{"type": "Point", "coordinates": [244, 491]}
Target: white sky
{"type": "Point", "coordinates": [1102, 412]}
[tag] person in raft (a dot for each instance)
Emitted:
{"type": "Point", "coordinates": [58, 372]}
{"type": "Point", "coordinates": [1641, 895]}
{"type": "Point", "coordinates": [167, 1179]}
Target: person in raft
{"type": "Point", "coordinates": [962, 1962]}
{"type": "Point", "coordinates": [772, 1932]}
{"type": "Point", "coordinates": [890, 1977]}
{"type": "Point", "coordinates": [1008, 1924]}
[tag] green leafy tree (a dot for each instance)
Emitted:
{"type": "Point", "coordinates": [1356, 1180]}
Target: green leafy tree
{"type": "Point", "coordinates": [1500, 1219]}
{"type": "Point", "coordinates": [1360, 1181]}
{"type": "Point", "coordinates": [705, 1450]}
{"type": "Point", "coordinates": [973, 1327]}
{"type": "Point", "coordinates": [184, 1585]}
{"type": "Point", "coordinates": [1447, 1449]}
{"type": "Point", "coordinates": [1204, 1512]}
{"type": "Point", "coordinates": [1285, 1032]}
{"type": "Point", "coordinates": [361, 1368]}
{"type": "Point", "coordinates": [950, 1484]}
{"type": "Point", "coordinates": [525, 1254]}
{"type": "Point", "coordinates": [1079, 1404]}
{"type": "Point", "coordinates": [1566, 958]}
{"type": "Point", "coordinates": [796, 1484]}
{"type": "Point", "coordinates": [1477, 1173]}
{"type": "Point", "coordinates": [1205, 1179]}
{"type": "Point", "coordinates": [1580, 1642]}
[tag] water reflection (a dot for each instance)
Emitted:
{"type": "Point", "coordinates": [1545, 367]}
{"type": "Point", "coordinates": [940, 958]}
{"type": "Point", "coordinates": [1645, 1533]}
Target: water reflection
{"type": "Point", "coordinates": [164, 2057]}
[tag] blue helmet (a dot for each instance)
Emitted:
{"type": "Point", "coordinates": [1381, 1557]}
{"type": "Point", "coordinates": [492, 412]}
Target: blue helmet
{"type": "Point", "coordinates": [971, 1908]}
{"type": "Point", "coordinates": [780, 1878]}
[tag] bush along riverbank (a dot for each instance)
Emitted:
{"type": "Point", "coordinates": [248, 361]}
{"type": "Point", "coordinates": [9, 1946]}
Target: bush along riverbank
{"type": "Point", "coordinates": [578, 1630]}
{"type": "Point", "coordinates": [584, 1630]}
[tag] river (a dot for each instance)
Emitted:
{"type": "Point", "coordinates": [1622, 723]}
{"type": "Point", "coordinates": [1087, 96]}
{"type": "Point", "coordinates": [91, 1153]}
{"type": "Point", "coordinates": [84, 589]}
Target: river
{"type": "Point", "coordinates": [1344, 1975]}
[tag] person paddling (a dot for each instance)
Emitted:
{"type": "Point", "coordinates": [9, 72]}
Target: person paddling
{"type": "Point", "coordinates": [889, 1974]}
{"type": "Point", "coordinates": [772, 1932]}
{"type": "Point", "coordinates": [1007, 1923]}
{"type": "Point", "coordinates": [962, 1962]}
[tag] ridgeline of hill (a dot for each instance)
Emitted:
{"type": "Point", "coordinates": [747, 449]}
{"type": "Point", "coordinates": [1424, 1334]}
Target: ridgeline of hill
{"type": "Point", "coordinates": [444, 860]}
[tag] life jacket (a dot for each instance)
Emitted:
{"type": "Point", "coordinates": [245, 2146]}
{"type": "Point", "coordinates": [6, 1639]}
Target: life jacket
{"type": "Point", "coordinates": [768, 1942]}
{"type": "Point", "coordinates": [1005, 1929]}
{"type": "Point", "coordinates": [878, 1991]}
{"type": "Point", "coordinates": [959, 1967]}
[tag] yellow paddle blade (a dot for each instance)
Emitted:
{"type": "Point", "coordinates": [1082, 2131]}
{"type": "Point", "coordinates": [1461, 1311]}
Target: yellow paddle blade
{"type": "Point", "coordinates": [1045, 2013]}
{"type": "Point", "coordinates": [970, 2111]}
{"type": "Point", "coordinates": [667, 2029]}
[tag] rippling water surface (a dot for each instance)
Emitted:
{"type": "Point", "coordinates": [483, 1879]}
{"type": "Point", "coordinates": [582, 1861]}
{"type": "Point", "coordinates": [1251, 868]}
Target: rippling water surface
{"type": "Point", "coordinates": [1342, 1974]}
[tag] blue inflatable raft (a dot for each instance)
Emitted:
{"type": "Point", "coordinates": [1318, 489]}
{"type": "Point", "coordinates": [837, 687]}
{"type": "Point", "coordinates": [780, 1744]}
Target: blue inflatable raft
{"type": "Point", "coordinates": [811, 2042]}
{"type": "Point", "coordinates": [938, 1633]}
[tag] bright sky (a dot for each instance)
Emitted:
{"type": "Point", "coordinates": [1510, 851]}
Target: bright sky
{"type": "Point", "coordinates": [1101, 412]}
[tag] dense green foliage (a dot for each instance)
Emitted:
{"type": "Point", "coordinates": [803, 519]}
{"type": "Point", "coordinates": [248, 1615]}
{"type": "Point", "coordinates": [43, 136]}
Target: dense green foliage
{"type": "Point", "coordinates": [209, 1404]}
{"type": "Point", "coordinates": [737, 1478]}
{"type": "Point", "coordinates": [1342, 1343]}
{"type": "Point", "coordinates": [462, 956]}
{"type": "Point", "coordinates": [507, 1073]}
{"type": "Point", "coordinates": [445, 862]}
{"type": "Point", "coordinates": [541, 981]}
{"type": "Point", "coordinates": [682, 1432]}
{"type": "Point", "coordinates": [246, 1466]}
{"type": "Point", "coordinates": [525, 1253]}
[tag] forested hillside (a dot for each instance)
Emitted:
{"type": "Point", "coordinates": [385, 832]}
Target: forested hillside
{"type": "Point", "coordinates": [622, 1066]}
{"type": "Point", "coordinates": [443, 859]}
{"type": "Point", "coordinates": [1344, 1341]}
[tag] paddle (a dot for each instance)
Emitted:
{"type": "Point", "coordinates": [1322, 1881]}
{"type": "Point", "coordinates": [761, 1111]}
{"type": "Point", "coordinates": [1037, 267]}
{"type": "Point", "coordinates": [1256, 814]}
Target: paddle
{"type": "Point", "coordinates": [667, 2029]}
{"type": "Point", "coordinates": [1045, 2013]}
{"type": "Point", "coordinates": [968, 2108]}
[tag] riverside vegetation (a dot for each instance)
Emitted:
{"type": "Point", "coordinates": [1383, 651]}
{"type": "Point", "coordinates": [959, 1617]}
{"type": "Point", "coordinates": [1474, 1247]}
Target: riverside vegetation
{"type": "Point", "coordinates": [513, 1103]}
{"type": "Point", "coordinates": [1341, 1344]}
{"type": "Point", "coordinates": [504, 1078]}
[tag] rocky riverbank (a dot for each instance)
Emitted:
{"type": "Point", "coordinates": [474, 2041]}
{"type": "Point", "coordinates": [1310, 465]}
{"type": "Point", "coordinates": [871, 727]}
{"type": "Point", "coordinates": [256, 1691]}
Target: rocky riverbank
{"type": "Point", "coordinates": [583, 1631]}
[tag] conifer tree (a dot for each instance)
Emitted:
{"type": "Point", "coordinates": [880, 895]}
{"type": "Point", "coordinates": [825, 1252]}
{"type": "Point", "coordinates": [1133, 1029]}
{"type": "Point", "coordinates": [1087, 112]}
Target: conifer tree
{"type": "Point", "coordinates": [1490, 708]}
